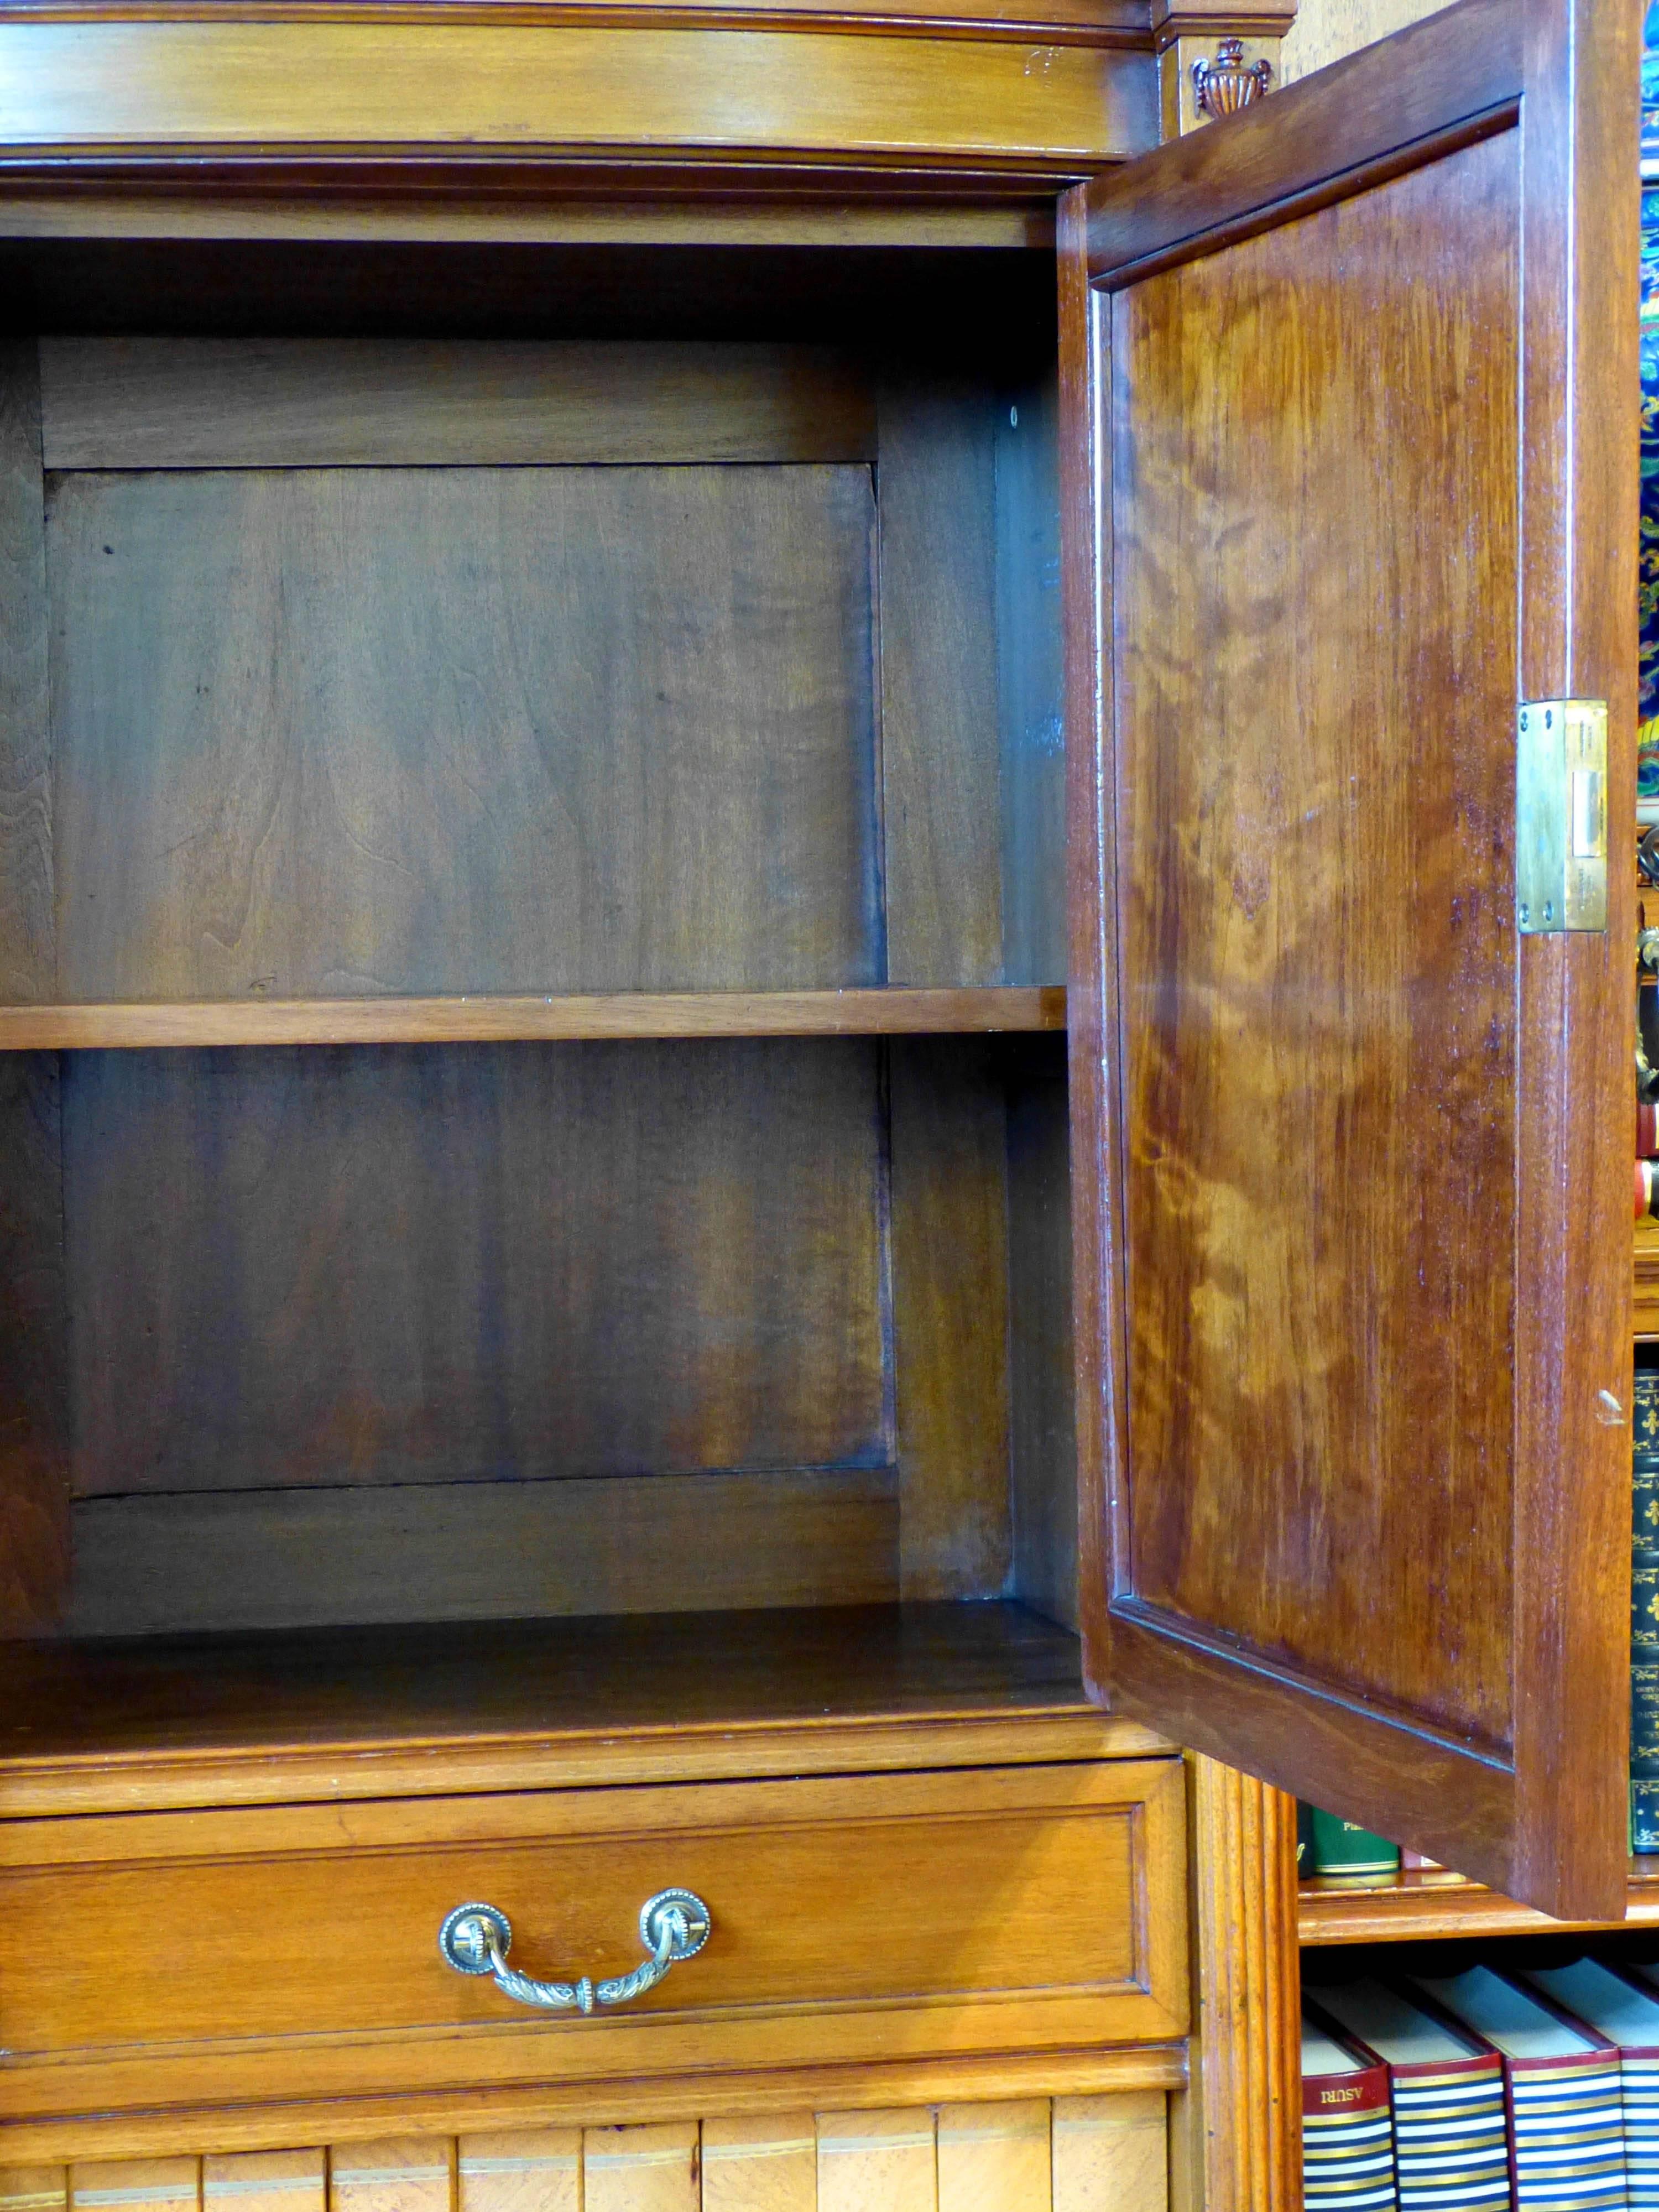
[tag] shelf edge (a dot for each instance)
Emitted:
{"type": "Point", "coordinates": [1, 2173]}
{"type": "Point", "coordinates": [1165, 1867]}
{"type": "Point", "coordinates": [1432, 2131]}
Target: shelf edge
{"type": "Point", "coordinates": [886, 1011]}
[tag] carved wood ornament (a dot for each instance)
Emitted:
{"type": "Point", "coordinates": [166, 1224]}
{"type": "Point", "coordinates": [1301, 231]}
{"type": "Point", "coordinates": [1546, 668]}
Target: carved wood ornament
{"type": "Point", "coordinates": [1225, 85]}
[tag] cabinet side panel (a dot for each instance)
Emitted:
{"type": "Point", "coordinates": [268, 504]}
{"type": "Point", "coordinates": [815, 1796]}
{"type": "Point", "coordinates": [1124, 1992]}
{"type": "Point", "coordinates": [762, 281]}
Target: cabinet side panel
{"type": "Point", "coordinates": [1315, 789]}
{"type": "Point", "coordinates": [1031, 685]}
{"type": "Point", "coordinates": [1042, 1457]}
{"type": "Point", "coordinates": [942, 804]}
{"type": "Point", "coordinates": [27, 939]}
{"type": "Point", "coordinates": [950, 1263]}
{"type": "Point", "coordinates": [324, 733]}
{"type": "Point", "coordinates": [35, 1476]}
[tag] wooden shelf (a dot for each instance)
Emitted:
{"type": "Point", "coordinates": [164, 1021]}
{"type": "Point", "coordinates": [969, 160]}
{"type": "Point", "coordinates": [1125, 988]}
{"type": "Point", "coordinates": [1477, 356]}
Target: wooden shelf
{"type": "Point", "coordinates": [1417, 1906]}
{"type": "Point", "coordinates": [155, 1723]}
{"type": "Point", "coordinates": [881, 1012]}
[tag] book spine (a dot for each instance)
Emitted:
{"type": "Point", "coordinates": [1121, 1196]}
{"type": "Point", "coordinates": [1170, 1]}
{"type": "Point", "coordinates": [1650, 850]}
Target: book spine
{"type": "Point", "coordinates": [1647, 1130]}
{"type": "Point", "coordinates": [1451, 2140]}
{"type": "Point", "coordinates": [1644, 1614]}
{"type": "Point", "coordinates": [1568, 2135]}
{"type": "Point", "coordinates": [1341, 1848]}
{"type": "Point", "coordinates": [1348, 2144]}
{"type": "Point", "coordinates": [1640, 2081]}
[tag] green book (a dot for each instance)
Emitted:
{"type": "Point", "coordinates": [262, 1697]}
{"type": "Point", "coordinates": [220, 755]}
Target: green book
{"type": "Point", "coordinates": [1340, 1847]}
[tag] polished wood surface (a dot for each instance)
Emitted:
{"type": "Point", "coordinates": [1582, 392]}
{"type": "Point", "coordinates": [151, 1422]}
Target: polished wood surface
{"type": "Point", "coordinates": [1120, 2071]}
{"type": "Point", "coordinates": [161, 1722]}
{"type": "Point", "coordinates": [28, 948]}
{"type": "Point", "coordinates": [950, 1236]}
{"type": "Point", "coordinates": [940, 768]}
{"type": "Point", "coordinates": [266, 2181]}
{"type": "Point", "coordinates": [162, 93]}
{"type": "Point", "coordinates": [188, 1563]}
{"type": "Point", "coordinates": [1105, 23]}
{"type": "Point", "coordinates": [840, 1907]}
{"type": "Point", "coordinates": [369, 403]}
{"type": "Point", "coordinates": [879, 1011]}
{"type": "Point", "coordinates": [1039, 2153]}
{"type": "Point", "coordinates": [627, 1224]}
{"type": "Point", "coordinates": [1425, 1904]}
{"type": "Point", "coordinates": [1312, 980]}
{"type": "Point", "coordinates": [1042, 1460]}
{"type": "Point", "coordinates": [1235, 2129]}
{"type": "Point", "coordinates": [34, 1434]}
{"type": "Point", "coordinates": [275, 773]}
{"type": "Point", "coordinates": [996, 2158]}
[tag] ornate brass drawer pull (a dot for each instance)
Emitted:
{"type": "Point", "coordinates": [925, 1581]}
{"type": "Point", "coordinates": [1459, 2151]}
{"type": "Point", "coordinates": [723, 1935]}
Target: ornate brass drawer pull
{"type": "Point", "coordinates": [674, 1924]}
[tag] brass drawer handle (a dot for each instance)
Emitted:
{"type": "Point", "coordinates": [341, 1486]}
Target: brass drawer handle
{"type": "Point", "coordinates": [674, 1924]}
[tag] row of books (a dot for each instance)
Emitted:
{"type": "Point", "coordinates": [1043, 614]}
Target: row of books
{"type": "Point", "coordinates": [1484, 2090]}
{"type": "Point", "coordinates": [1644, 1614]}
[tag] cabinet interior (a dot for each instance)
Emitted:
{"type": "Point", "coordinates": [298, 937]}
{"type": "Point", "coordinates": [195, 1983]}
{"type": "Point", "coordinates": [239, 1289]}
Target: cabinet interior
{"type": "Point", "coordinates": [509, 625]}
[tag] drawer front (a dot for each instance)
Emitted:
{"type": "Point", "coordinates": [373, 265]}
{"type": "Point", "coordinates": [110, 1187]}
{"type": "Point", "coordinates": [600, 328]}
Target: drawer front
{"type": "Point", "coordinates": [293, 1952]}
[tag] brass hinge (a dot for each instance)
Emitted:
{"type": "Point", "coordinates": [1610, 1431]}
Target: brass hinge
{"type": "Point", "coordinates": [1560, 816]}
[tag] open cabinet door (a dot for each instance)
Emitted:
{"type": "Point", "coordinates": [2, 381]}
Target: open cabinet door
{"type": "Point", "coordinates": [1350, 394]}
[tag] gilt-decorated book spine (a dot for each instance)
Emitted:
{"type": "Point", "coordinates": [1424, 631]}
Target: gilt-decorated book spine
{"type": "Point", "coordinates": [1644, 1614]}
{"type": "Point", "coordinates": [1451, 2138]}
{"type": "Point", "coordinates": [1567, 2122]}
{"type": "Point", "coordinates": [1347, 2142]}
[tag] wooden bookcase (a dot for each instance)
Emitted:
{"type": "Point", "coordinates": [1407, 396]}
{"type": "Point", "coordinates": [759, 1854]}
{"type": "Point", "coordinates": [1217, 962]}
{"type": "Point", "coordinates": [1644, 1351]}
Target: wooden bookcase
{"type": "Point", "coordinates": [756, 943]}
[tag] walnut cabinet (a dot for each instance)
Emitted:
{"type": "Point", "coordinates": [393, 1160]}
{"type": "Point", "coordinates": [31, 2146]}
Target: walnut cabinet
{"type": "Point", "coordinates": [779, 1120]}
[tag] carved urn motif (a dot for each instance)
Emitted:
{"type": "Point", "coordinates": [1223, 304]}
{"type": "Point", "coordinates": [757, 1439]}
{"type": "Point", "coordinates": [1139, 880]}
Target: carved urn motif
{"type": "Point", "coordinates": [1228, 83]}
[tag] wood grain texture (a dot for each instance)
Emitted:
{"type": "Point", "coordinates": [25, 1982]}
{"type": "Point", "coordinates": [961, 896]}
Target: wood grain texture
{"type": "Point", "coordinates": [875, 1012]}
{"type": "Point", "coordinates": [1111, 2154]}
{"type": "Point", "coordinates": [373, 731]}
{"type": "Point", "coordinates": [640, 2169]}
{"type": "Point", "coordinates": [34, 1473]}
{"type": "Point", "coordinates": [669, 1254]}
{"type": "Point", "coordinates": [265, 2181]}
{"type": "Point", "coordinates": [1317, 1081]}
{"type": "Point", "coordinates": [1324, 31]}
{"type": "Point", "coordinates": [376, 403]}
{"type": "Point", "coordinates": [1390, 1746]}
{"type": "Point", "coordinates": [950, 1266]}
{"type": "Point", "coordinates": [940, 774]}
{"type": "Point", "coordinates": [764, 2164]}
{"type": "Point", "coordinates": [210, 1562]}
{"type": "Point", "coordinates": [34, 2188]}
{"type": "Point", "coordinates": [1088, 2071]}
{"type": "Point", "coordinates": [519, 2170]}
{"type": "Point", "coordinates": [994, 2158]}
{"type": "Point", "coordinates": [156, 89]}
{"type": "Point", "coordinates": [1042, 1467]}
{"type": "Point", "coordinates": [1106, 23]}
{"type": "Point", "coordinates": [1580, 139]}
{"type": "Point", "coordinates": [1434, 87]}
{"type": "Point", "coordinates": [27, 941]}
{"type": "Point", "coordinates": [877, 2162]}
{"type": "Point", "coordinates": [155, 2185]}
{"type": "Point", "coordinates": [1235, 2132]}
{"type": "Point", "coordinates": [1030, 685]}
{"type": "Point", "coordinates": [1071, 1875]}
{"type": "Point", "coordinates": [393, 2174]}
{"type": "Point", "coordinates": [164, 1723]}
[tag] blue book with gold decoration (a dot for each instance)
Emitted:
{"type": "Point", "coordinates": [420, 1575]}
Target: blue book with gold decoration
{"type": "Point", "coordinates": [1562, 2092]}
{"type": "Point", "coordinates": [1450, 2138]}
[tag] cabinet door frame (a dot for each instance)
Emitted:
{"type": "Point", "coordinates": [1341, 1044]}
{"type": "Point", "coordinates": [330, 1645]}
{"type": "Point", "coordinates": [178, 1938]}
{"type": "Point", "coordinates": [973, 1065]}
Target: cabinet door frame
{"type": "Point", "coordinates": [1545, 1823]}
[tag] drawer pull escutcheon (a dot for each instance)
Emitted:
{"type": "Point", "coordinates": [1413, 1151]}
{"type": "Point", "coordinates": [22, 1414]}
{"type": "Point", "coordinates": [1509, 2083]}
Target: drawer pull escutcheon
{"type": "Point", "coordinates": [674, 1924]}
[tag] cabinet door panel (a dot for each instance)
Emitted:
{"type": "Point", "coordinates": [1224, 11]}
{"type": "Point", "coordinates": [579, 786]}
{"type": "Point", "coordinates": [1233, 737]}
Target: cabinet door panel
{"type": "Point", "coordinates": [1347, 486]}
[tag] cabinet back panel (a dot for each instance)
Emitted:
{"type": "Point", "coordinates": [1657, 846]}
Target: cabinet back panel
{"type": "Point", "coordinates": [321, 733]}
{"type": "Point", "coordinates": [315, 403]}
{"type": "Point", "coordinates": [412, 1265]}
